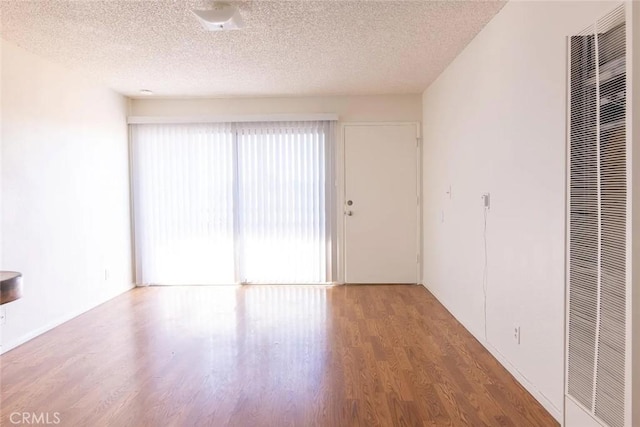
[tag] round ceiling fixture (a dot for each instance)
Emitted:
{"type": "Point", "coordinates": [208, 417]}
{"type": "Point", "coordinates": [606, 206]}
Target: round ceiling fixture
{"type": "Point", "coordinates": [145, 92]}
{"type": "Point", "coordinates": [223, 16]}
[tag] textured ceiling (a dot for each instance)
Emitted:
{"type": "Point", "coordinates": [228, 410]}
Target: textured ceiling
{"type": "Point", "coordinates": [286, 48]}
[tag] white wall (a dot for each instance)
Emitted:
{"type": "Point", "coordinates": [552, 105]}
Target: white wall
{"type": "Point", "coordinates": [349, 108]}
{"type": "Point", "coordinates": [65, 193]}
{"type": "Point", "coordinates": [495, 121]}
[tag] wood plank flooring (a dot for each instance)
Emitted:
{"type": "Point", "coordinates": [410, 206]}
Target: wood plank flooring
{"type": "Point", "coordinates": [265, 356]}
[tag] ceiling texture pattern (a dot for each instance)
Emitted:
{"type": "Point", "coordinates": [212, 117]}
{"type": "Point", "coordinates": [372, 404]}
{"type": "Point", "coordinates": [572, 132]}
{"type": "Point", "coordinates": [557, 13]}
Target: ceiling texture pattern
{"type": "Point", "coordinates": [287, 48]}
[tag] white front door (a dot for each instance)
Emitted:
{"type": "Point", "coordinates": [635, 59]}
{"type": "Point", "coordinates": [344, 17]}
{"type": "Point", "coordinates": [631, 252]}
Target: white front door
{"type": "Point", "coordinates": [381, 203]}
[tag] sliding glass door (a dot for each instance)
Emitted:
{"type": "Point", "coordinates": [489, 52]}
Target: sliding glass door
{"type": "Point", "coordinates": [282, 202]}
{"type": "Point", "coordinates": [183, 203]}
{"type": "Point", "coordinates": [231, 203]}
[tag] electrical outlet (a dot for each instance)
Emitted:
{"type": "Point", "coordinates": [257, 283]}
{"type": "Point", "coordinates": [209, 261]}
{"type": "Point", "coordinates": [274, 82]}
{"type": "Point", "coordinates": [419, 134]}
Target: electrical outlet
{"type": "Point", "coordinates": [516, 334]}
{"type": "Point", "coordinates": [3, 316]}
{"type": "Point", "coordinates": [106, 274]}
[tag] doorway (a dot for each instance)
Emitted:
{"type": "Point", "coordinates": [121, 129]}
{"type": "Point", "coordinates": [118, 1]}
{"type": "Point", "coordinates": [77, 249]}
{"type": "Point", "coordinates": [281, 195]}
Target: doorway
{"type": "Point", "coordinates": [381, 203]}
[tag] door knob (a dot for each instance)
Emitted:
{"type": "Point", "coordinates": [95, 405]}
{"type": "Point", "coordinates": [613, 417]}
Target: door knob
{"type": "Point", "coordinates": [348, 213]}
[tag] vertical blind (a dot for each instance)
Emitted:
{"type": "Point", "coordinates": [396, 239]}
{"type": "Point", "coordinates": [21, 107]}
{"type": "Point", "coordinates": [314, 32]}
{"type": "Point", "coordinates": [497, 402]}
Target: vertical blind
{"type": "Point", "coordinates": [282, 202]}
{"type": "Point", "coordinates": [232, 202]}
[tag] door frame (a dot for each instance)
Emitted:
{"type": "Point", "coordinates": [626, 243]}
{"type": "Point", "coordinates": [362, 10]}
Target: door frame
{"type": "Point", "coordinates": [340, 186]}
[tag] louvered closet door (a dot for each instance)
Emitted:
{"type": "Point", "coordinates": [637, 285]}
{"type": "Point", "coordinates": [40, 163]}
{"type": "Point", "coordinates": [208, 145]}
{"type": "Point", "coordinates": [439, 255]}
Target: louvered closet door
{"type": "Point", "coordinates": [598, 220]}
{"type": "Point", "coordinates": [584, 221]}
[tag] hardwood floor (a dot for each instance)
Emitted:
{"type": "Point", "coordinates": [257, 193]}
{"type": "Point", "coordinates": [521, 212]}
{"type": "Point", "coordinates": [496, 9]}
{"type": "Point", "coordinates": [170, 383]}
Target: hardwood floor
{"type": "Point", "coordinates": [265, 356]}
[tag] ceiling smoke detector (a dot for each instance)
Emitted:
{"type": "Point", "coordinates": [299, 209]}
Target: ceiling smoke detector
{"type": "Point", "coordinates": [223, 16]}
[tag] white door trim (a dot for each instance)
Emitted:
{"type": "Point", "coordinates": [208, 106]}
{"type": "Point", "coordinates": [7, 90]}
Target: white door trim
{"type": "Point", "coordinates": [340, 195]}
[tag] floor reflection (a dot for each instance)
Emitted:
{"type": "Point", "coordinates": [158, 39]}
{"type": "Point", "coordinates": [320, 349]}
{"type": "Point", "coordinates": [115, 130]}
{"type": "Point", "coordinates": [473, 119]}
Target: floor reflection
{"type": "Point", "coordinates": [242, 343]}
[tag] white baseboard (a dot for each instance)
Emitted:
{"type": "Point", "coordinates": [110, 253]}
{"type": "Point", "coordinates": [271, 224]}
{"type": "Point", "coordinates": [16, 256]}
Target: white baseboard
{"type": "Point", "coordinates": [59, 321]}
{"type": "Point", "coordinates": [528, 385]}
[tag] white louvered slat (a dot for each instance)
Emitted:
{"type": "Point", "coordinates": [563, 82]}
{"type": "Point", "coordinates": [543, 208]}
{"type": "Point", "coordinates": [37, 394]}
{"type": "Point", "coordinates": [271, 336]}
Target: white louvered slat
{"type": "Point", "coordinates": [598, 220]}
